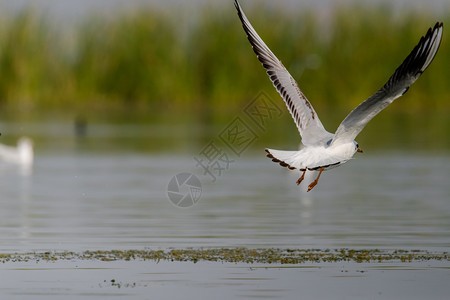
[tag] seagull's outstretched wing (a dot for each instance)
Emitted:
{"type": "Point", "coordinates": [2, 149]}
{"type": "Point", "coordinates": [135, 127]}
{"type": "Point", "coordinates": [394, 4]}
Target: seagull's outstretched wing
{"type": "Point", "coordinates": [405, 75]}
{"type": "Point", "coordinates": [306, 119]}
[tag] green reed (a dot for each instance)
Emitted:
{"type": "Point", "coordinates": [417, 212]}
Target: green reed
{"type": "Point", "coordinates": [199, 66]}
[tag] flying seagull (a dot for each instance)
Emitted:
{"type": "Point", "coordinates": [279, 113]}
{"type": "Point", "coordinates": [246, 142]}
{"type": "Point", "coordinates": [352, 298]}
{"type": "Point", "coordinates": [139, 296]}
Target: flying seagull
{"type": "Point", "coordinates": [322, 150]}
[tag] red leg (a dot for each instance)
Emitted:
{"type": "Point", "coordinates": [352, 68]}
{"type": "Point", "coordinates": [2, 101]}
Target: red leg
{"type": "Point", "coordinates": [313, 184]}
{"type": "Point", "coordinates": [301, 178]}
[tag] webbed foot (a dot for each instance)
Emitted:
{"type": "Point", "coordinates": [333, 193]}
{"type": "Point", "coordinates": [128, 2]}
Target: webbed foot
{"type": "Point", "coordinates": [301, 178]}
{"type": "Point", "coordinates": [314, 183]}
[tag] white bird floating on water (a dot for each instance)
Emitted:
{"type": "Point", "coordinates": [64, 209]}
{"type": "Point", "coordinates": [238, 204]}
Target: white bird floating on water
{"type": "Point", "coordinates": [22, 154]}
{"type": "Point", "coordinates": [321, 149]}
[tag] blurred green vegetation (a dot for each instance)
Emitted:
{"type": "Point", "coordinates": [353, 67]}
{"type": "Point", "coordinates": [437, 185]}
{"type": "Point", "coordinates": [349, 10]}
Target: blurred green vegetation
{"type": "Point", "coordinates": [199, 69]}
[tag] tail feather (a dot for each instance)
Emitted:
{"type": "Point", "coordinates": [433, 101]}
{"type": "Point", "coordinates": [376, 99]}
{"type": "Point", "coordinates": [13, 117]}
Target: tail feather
{"type": "Point", "coordinates": [284, 158]}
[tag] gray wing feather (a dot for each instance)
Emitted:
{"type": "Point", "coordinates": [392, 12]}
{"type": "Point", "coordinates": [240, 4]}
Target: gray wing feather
{"type": "Point", "coordinates": [405, 75]}
{"type": "Point", "coordinates": [306, 119]}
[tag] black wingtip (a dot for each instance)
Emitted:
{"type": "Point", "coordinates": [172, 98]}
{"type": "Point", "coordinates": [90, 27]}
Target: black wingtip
{"type": "Point", "coordinates": [420, 57]}
{"type": "Point", "coordinates": [238, 7]}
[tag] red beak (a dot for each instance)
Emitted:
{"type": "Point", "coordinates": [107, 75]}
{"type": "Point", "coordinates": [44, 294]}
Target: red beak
{"type": "Point", "coordinates": [359, 150]}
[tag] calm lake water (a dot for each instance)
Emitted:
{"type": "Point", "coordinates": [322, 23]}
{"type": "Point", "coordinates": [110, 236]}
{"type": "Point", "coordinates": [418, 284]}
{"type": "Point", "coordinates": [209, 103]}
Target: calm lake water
{"type": "Point", "coordinates": [119, 201]}
{"type": "Point", "coordinates": [79, 200]}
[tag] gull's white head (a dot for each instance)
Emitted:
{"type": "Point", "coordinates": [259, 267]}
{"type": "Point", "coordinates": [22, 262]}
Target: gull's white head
{"type": "Point", "coordinates": [357, 149]}
{"type": "Point", "coordinates": [344, 151]}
